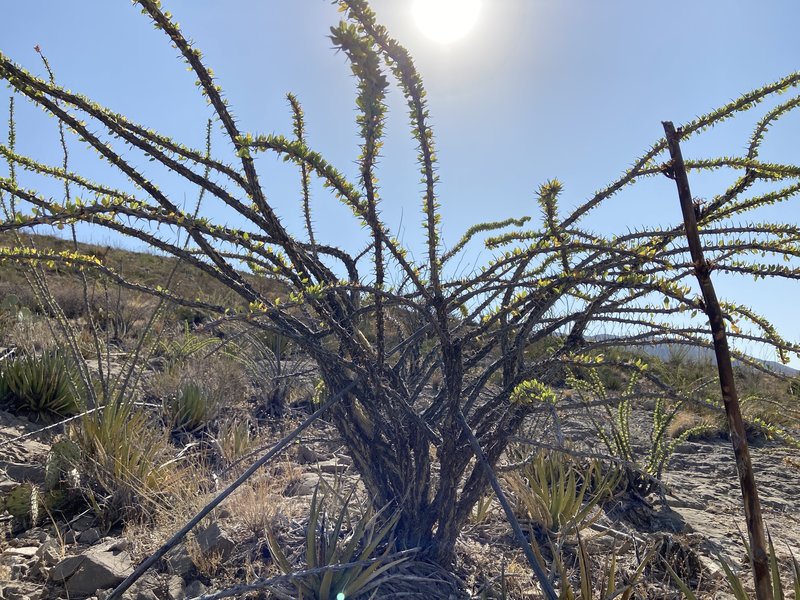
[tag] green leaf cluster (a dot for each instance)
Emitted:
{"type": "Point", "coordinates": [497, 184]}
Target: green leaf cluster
{"type": "Point", "coordinates": [42, 385]}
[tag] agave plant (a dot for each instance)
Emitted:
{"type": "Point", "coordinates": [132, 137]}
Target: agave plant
{"type": "Point", "coordinates": [234, 439]}
{"type": "Point", "coordinates": [40, 384]}
{"type": "Point", "coordinates": [589, 584]}
{"type": "Point", "coordinates": [192, 407]}
{"type": "Point", "coordinates": [558, 494]}
{"type": "Point", "coordinates": [331, 545]}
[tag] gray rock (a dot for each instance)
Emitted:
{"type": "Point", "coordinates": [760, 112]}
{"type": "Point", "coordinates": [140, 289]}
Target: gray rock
{"type": "Point", "coordinates": [97, 568]}
{"type": "Point", "coordinates": [303, 486]}
{"type": "Point", "coordinates": [66, 568]}
{"type": "Point", "coordinates": [145, 588]}
{"type": "Point", "coordinates": [176, 588]}
{"type": "Point", "coordinates": [306, 455]}
{"type": "Point", "coordinates": [178, 561]}
{"type": "Point", "coordinates": [14, 592]}
{"type": "Point", "coordinates": [23, 472]}
{"type": "Point", "coordinates": [332, 466]}
{"type": "Point", "coordinates": [215, 540]}
{"type": "Point", "coordinates": [20, 570]}
{"type": "Point", "coordinates": [112, 545]}
{"type": "Point", "coordinates": [6, 485]}
{"type": "Point", "coordinates": [90, 536]}
{"type": "Point", "coordinates": [195, 589]}
{"type": "Point", "coordinates": [24, 551]}
{"type": "Point", "coordinates": [82, 523]}
{"type": "Point", "coordinates": [49, 553]}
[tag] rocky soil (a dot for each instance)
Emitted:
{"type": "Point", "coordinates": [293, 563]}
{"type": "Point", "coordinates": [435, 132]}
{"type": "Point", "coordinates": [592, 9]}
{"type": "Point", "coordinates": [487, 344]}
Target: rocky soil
{"type": "Point", "coordinates": [705, 493]}
{"type": "Point", "coordinates": [80, 560]}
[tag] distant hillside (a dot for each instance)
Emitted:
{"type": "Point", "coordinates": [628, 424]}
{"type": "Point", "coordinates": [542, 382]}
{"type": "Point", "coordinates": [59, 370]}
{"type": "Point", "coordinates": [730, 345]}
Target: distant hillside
{"type": "Point", "coordinates": [693, 353]}
{"type": "Point", "coordinates": [665, 351]}
{"type": "Point", "coordinates": [142, 267]}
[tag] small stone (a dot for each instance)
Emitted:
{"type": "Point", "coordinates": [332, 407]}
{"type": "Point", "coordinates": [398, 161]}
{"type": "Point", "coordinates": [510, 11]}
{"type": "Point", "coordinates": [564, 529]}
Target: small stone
{"type": "Point", "coordinates": [306, 455]}
{"type": "Point", "coordinates": [82, 523]}
{"type": "Point", "coordinates": [145, 588]}
{"type": "Point", "coordinates": [178, 561]}
{"type": "Point", "coordinates": [112, 545]}
{"type": "Point", "coordinates": [33, 473]}
{"type": "Point", "coordinates": [195, 589]}
{"type": "Point", "coordinates": [332, 467]}
{"type": "Point", "coordinates": [303, 486]}
{"type": "Point", "coordinates": [66, 568]}
{"type": "Point", "coordinates": [19, 571]}
{"type": "Point", "coordinates": [49, 553]}
{"type": "Point", "coordinates": [90, 536]}
{"type": "Point", "coordinates": [7, 485]}
{"type": "Point", "coordinates": [26, 551]}
{"type": "Point", "coordinates": [14, 592]}
{"type": "Point", "coordinates": [344, 459]}
{"type": "Point", "coordinates": [176, 588]}
{"type": "Point", "coordinates": [94, 569]}
{"type": "Point", "coordinates": [214, 540]}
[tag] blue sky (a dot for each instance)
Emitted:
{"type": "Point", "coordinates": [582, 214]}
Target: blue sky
{"type": "Point", "coordinates": [539, 89]}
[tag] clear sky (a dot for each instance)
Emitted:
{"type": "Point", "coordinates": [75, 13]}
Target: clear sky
{"type": "Point", "coordinates": [574, 89]}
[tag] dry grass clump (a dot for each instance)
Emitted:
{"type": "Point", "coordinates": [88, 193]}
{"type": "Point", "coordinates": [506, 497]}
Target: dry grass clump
{"type": "Point", "coordinates": [236, 436]}
{"type": "Point", "coordinates": [32, 335]}
{"type": "Point", "coordinates": [127, 463]}
{"type": "Point", "coordinates": [192, 358]}
{"type": "Point", "coordinates": [205, 403]}
{"type": "Point", "coordinates": [765, 418]}
{"type": "Point", "coordinates": [686, 420]}
{"type": "Point", "coordinates": [256, 505]}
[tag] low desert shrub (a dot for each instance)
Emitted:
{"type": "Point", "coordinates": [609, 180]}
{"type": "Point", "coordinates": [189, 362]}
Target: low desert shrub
{"type": "Point", "coordinates": [220, 379]}
{"type": "Point", "coordinates": [121, 316]}
{"type": "Point", "coordinates": [69, 296]}
{"type": "Point", "coordinates": [273, 366]}
{"type": "Point", "coordinates": [643, 469]}
{"type": "Point", "coordinates": [11, 312]}
{"type": "Point", "coordinates": [31, 333]}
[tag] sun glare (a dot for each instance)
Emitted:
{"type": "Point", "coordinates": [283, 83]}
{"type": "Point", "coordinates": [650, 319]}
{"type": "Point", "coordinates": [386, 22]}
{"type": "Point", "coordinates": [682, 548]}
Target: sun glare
{"type": "Point", "coordinates": [446, 21]}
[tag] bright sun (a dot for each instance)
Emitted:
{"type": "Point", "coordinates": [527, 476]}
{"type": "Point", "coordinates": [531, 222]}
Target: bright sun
{"type": "Point", "coordinates": [446, 20]}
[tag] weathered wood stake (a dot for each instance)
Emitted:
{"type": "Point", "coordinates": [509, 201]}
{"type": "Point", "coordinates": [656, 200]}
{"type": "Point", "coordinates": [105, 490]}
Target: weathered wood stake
{"type": "Point", "coordinates": [744, 466]}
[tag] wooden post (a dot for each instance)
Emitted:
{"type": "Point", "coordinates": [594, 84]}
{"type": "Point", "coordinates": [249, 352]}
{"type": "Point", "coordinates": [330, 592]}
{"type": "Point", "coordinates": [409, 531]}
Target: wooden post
{"type": "Point", "coordinates": [744, 466]}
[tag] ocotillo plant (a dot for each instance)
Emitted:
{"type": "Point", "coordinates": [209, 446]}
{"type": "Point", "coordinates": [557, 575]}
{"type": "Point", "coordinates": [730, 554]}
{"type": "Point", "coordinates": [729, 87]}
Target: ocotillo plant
{"type": "Point", "coordinates": [557, 282]}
